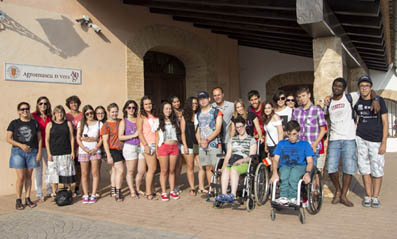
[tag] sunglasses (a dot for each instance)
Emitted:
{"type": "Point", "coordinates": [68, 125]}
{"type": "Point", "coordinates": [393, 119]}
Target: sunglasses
{"type": "Point", "coordinates": [100, 113]}
{"type": "Point", "coordinates": [43, 103]}
{"type": "Point", "coordinates": [290, 100]}
{"type": "Point", "coordinates": [24, 109]}
{"type": "Point", "coordinates": [131, 108]}
{"type": "Point", "coordinates": [281, 98]}
{"type": "Point", "coordinates": [239, 127]}
{"type": "Point", "coordinates": [89, 113]}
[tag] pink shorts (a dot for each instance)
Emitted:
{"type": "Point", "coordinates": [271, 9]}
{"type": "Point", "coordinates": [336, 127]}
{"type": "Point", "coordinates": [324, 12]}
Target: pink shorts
{"type": "Point", "coordinates": [168, 149]}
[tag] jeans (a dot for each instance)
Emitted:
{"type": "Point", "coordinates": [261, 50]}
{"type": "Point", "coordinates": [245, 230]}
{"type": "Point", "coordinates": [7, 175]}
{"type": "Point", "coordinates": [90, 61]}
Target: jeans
{"type": "Point", "coordinates": [289, 177]}
{"type": "Point", "coordinates": [38, 176]}
{"type": "Point", "coordinates": [345, 149]}
{"type": "Point", "coordinates": [20, 159]}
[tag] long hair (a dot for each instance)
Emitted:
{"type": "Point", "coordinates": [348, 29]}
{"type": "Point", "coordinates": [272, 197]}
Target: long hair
{"type": "Point", "coordinates": [48, 110]}
{"type": "Point", "coordinates": [173, 118]}
{"type": "Point", "coordinates": [235, 114]}
{"type": "Point", "coordinates": [142, 108]}
{"type": "Point", "coordinates": [171, 100]}
{"type": "Point", "coordinates": [188, 112]}
{"type": "Point", "coordinates": [83, 121]}
{"type": "Point", "coordinates": [125, 114]}
{"type": "Point", "coordinates": [58, 108]}
{"type": "Point", "coordinates": [267, 118]}
{"type": "Point", "coordinates": [105, 116]}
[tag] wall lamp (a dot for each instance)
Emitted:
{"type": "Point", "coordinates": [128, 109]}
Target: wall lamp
{"type": "Point", "coordinates": [87, 21]}
{"type": "Point", "coordinates": [2, 18]}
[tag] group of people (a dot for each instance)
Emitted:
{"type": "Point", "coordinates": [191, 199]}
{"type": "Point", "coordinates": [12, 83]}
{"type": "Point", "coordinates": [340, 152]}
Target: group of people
{"type": "Point", "coordinates": [290, 131]}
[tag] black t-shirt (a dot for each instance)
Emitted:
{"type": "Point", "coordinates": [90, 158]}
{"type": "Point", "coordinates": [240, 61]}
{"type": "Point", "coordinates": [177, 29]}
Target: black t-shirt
{"type": "Point", "coordinates": [25, 132]}
{"type": "Point", "coordinates": [250, 123]}
{"type": "Point", "coordinates": [370, 125]}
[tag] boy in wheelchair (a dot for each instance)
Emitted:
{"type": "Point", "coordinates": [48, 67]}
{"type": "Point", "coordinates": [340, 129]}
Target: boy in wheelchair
{"type": "Point", "coordinates": [236, 161]}
{"type": "Point", "coordinates": [292, 160]}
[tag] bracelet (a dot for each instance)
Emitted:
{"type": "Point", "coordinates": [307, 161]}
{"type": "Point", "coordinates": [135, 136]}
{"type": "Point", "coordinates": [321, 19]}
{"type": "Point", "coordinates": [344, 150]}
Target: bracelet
{"type": "Point", "coordinates": [206, 140]}
{"type": "Point", "coordinates": [308, 171]}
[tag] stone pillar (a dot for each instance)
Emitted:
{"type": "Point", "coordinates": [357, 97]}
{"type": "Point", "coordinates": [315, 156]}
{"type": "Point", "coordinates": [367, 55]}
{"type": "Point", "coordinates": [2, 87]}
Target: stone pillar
{"type": "Point", "coordinates": [353, 75]}
{"type": "Point", "coordinates": [329, 63]}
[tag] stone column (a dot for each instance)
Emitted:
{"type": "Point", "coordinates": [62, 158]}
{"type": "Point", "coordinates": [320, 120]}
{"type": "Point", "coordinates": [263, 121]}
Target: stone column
{"type": "Point", "coordinates": [353, 75]}
{"type": "Point", "coordinates": [329, 63]}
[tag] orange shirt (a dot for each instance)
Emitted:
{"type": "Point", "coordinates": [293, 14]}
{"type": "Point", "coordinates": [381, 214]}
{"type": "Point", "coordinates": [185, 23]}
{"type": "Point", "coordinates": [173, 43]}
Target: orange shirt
{"type": "Point", "coordinates": [112, 129]}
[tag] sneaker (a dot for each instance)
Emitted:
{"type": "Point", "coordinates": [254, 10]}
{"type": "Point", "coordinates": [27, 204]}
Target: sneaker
{"type": "Point", "coordinates": [85, 199]}
{"type": "Point", "coordinates": [293, 201]}
{"type": "Point", "coordinates": [174, 195]}
{"type": "Point", "coordinates": [375, 202]}
{"type": "Point", "coordinates": [164, 197]}
{"type": "Point", "coordinates": [220, 198]}
{"type": "Point", "coordinates": [283, 200]}
{"type": "Point", "coordinates": [177, 191]}
{"type": "Point", "coordinates": [92, 199]}
{"type": "Point", "coordinates": [367, 201]}
{"type": "Point", "coordinates": [230, 198]}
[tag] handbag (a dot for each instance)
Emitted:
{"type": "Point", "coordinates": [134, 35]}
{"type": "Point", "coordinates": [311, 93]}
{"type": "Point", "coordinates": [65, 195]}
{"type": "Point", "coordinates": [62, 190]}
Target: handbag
{"type": "Point", "coordinates": [64, 197]}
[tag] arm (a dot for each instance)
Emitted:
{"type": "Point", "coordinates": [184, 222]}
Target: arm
{"type": "Point", "coordinates": [217, 129]}
{"type": "Point", "coordinates": [183, 134]}
{"type": "Point", "coordinates": [14, 143]}
{"type": "Point", "coordinates": [71, 139]}
{"type": "Point", "coordinates": [258, 129]}
{"type": "Point", "coordinates": [385, 122]}
{"type": "Point", "coordinates": [318, 139]}
{"type": "Point", "coordinates": [140, 133]}
{"type": "Point", "coordinates": [122, 136]}
{"type": "Point", "coordinates": [47, 140]}
{"type": "Point", "coordinates": [232, 130]}
{"type": "Point", "coordinates": [39, 153]}
{"type": "Point", "coordinates": [309, 168]}
{"type": "Point", "coordinates": [79, 140]}
{"type": "Point", "coordinates": [228, 155]}
{"type": "Point", "coordinates": [105, 140]}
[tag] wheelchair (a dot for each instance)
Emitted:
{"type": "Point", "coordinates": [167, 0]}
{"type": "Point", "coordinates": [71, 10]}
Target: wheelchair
{"type": "Point", "coordinates": [310, 197]}
{"type": "Point", "coordinates": [253, 188]}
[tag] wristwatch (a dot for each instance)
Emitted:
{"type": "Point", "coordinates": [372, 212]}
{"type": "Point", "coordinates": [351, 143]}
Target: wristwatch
{"type": "Point", "coordinates": [308, 172]}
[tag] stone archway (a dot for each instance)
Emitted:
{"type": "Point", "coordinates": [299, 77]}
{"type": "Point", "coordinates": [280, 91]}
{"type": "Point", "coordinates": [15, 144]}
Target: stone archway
{"type": "Point", "coordinates": [288, 80]}
{"type": "Point", "coordinates": [196, 55]}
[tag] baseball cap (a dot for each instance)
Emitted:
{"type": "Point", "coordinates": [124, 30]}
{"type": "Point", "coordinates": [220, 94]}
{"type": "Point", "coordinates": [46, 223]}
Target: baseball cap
{"type": "Point", "coordinates": [365, 78]}
{"type": "Point", "coordinates": [203, 94]}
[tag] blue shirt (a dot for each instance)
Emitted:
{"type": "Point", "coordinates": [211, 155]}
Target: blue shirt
{"type": "Point", "coordinates": [293, 154]}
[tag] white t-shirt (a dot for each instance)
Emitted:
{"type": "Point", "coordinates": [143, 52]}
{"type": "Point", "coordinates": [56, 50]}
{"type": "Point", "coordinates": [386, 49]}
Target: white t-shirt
{"type": "Point", "coordinates": [340, 115]}
{"type": "Point", "coordinates": [285, 115]}
{"type": "Point", "coordinates": [271, 131]}
{"type": "Point", "coordinates": [90, 131]}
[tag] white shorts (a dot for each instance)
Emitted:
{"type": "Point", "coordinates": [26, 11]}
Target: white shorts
{"type": "Point", "coordinates": [369, 161]}
{"type": "Point", "coordinates": [131, 152]}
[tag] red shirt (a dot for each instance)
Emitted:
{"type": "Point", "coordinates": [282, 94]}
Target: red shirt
{"type": "Point", "coordinates": [75, 121]}
{"type": "Point", "coordinates": [42, 125]}
{"type": "Point", "coordinates": [260, 119]}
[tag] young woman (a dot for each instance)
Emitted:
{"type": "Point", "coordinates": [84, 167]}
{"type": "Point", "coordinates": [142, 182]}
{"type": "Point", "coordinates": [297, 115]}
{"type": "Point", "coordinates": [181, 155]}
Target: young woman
{"type": "Point", "coordinates": [178, 110]}
{"type": "Point", "coordinates": [113, 147]}
{"type": "Point", "coordinates": [291, 101]}
{"type": "Point", "coordinates": [60, 150]}
{"type": "Point", "coordinates": [101, 116]}
{"type": "Point", "coordinates": [281, 108]}
{"type": "Point", "coordinates": [24, 136]}
{"type": "Point", "coordinates": [273, 128]}
{"type": "Point", "coordinates": [43, 116]}
{"type": "Point", "coordinates": [74, 116]}
{"type": "Point", "coordinates": [167, 149]}
{"type": "Point", "coordinates": [251, 119]}
{"type": "Point", "coordinates": [90, 142]}
{"type": "Point", "coordinates": [148, 123]}
{"type": "Point", "coordinates": [128, 132]}
{"type": "Point", "coordinates": [189, 147]}
{"type": "Point", "coordinates": [176, 106]}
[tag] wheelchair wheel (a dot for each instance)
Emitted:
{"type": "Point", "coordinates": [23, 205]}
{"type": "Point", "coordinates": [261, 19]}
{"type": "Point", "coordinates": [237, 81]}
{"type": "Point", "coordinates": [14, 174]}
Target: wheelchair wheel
{"type": "Point", "coordinates": [273, 214]}
{"type": "Point", "coordinates": [250, 204]}
{"type": "Point", "coordinates": [315, 194]}
{"type": "Point", "coordinates": [261, 185]}
{"type": "Point", "coordinates": [302, 217]}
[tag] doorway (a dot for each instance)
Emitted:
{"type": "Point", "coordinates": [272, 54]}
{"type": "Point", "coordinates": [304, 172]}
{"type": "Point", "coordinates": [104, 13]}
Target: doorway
{"type": "Point", "coordinates": [164, 76]}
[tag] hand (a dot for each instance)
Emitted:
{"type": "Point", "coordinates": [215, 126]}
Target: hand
{"type": "Point", "coordinates": [185, 150]}
{"type": "Point", "coordinates": [26, 148]}
{"type": "Point", "coordinates": [314, 147]}
{"type": "Point", "coordinates": [204, 144]}
{"type": "Point", "coordinates": [147, 149]}
{"type": "Point", "coordinates": [261, 140]}
{"type": "Point", "coordinates": [38, 157]}
{"type": "Point", "coordinates": [375, 106]}
{"type": "Point", "coordinates": [110, 159]}
{"type": "Point", "coordinates": [86, 150]}
{"type": "Point", "coordinates": [274, 178]}
{"type": "Point", "coordinates": [72, 156]}
{"type": "Point", "coordinates": [92, 151]}
{"type": "Point", "coordinates": [382, 148]}
{"type": "Point", "coordinates": [327, 100]}
{"type": "Point", "coordinates": [238, 162]}
{"type": "Point", "coordinates": [50, 158]}
{"type": "Point", "coordinates": [306, 178]}
{"type": "Point", "coordinates": [266, 149]}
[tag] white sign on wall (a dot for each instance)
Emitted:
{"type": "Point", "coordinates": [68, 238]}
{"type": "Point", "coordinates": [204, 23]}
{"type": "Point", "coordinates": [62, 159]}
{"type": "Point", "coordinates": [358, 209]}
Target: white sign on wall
{"type": "Point", "coordinates": [44, 74]}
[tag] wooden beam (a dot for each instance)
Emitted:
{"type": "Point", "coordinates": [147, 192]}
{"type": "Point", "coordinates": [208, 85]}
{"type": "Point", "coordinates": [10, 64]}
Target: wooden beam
{"type": "Point", "coordinates": [283, 45]}
{"type": "Point", "coordinates": [263, 35]}
{"type": "Point", "coordinates": [359, 21]}
{"type": "Point", "coordinates": [272, 46]}
{"type": "Point", "coordinates": [271, 40]}
{"type": "Point", "coordinates": [384, 6]}
{"type": "Point", "coordinates": [355, 7]}
{"type": "Point", "coordinates": [272, 49]}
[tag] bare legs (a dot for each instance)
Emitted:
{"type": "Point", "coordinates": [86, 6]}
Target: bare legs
{"type": "Point", "coordinates": [140, 174]}
{"type": "Point", "coordinates": [372, 185]}
{"type": "Point", "coordinates": [233, 176]}
{"type": "Point", "coordinates": [131, 167]}
{"type": "Point", "coordinates": [189, 158]}
{"type": "Point", "coordinates": [151, 162]}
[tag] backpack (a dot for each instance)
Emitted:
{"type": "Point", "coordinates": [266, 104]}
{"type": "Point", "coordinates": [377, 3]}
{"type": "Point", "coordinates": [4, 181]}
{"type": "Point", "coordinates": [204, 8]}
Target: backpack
{"type": "Point", "coordinates": [216, 112]}
{"type": "Point", "coordinates": [64, 197]}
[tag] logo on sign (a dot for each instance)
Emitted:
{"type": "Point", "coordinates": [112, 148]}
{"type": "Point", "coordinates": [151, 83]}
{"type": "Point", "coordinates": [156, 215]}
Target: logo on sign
{"type": "Point", "coordinates": [75, 76]}
{"type": "Point", "coordinates": [13, 71]}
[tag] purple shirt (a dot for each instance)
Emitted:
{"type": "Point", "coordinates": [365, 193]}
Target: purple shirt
{"type": "Point", "coordinates": [130, 128]}
{"type": "Point", "coordinates": [310, 121]}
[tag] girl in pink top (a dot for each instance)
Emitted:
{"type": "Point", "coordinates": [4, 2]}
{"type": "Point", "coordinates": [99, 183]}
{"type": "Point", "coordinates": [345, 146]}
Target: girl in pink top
{"type": "Point", "coordinates": [147, 126]}
{"type": "Point", "coordinates": [43, 116]}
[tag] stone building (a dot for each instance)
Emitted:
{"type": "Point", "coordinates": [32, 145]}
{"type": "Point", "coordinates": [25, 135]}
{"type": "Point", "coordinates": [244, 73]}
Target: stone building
{"type": "Point", "coordinates": [178, 47]}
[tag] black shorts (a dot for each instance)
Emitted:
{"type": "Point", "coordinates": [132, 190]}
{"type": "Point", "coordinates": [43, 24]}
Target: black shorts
{"type": "Point", "coordinates": [117, 155]}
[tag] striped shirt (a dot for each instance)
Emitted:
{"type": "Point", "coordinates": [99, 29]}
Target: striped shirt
{"type": "Point", "coordinates": [242, 146]}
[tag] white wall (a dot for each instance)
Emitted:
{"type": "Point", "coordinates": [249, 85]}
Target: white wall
{"type": "Point", "coordinates": [257, 66]}
{"type": "Point", "coordinates": [384, 80]}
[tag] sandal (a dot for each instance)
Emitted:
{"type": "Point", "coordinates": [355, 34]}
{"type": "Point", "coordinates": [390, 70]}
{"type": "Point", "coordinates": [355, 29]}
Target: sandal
{"type": "Point", "coordinates": [112, 191]}
{"type": "Point", "coordinates": [134, 195]}
{"type": "Point", "coordinates": [140, 193]}
{"type": "Point", "coordinates": [29, 203]}
{"type": "Point", "coordinates": [151, 197]}
{"type": "Point", "coordinates": [19, 205]}
{"type": "Point", "coordinates": [346, 202]}
{"type": "Point", "coordinates": [202, 191]}
{"type": "Point", "coordinates": [193, 192]}
{"type": "Point", "coordinates": [336, 198]}
{"type": "Point", "coordinates": [118, 196]}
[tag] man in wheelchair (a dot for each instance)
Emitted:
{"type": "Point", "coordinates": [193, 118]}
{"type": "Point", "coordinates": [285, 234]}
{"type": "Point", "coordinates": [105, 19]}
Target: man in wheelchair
{"type": "Point", "coordinates": [292, 160]}
{"type": "Point", "coordinates": [236, 161]}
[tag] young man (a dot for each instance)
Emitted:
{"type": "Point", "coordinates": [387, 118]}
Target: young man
{"type": "Point", "coordinates": [342, 139]}
{"type": "Point", "coordinates": [257, 107]}
{"type": "Point", "coordinates": [371, 141]}
{"type": "Point", "coordinates": [209, 126]}
{"type": "Point", "coordinates": [227, 109]}
{"type": "Point", "coordinates": [312, 121]}
{"type": "Point", "coordinates": [294, 159]}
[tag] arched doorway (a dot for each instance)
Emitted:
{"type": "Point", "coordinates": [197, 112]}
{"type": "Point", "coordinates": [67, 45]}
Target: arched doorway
{"type": "Point", "coordinates": [164, 77]}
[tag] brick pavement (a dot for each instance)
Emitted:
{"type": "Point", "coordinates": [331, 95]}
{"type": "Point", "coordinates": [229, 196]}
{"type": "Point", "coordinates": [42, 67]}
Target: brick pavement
{"type": "Point", "coordinates": [192, 216]}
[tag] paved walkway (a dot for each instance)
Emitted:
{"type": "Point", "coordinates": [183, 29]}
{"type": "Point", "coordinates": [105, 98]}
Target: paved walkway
{"type": "Point", "coordinates": [192, 217]}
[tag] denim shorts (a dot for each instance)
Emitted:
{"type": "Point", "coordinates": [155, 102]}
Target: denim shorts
{"type": "Point", "coordinates": [345, 149]}
{"type": "Point", "coordinates": [20, 159]}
